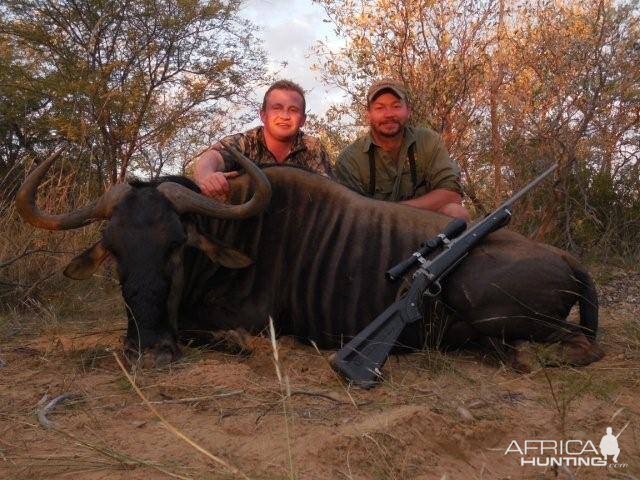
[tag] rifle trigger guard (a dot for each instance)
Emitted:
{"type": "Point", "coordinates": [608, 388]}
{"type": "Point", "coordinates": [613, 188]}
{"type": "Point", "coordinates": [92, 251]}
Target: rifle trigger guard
{"type": "Point", "coordinates": [434, 289]}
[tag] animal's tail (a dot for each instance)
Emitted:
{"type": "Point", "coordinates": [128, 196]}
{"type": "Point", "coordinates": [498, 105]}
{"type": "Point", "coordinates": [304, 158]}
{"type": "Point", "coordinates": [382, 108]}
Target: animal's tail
{"type": "Point", "coordinates": [587, 298]}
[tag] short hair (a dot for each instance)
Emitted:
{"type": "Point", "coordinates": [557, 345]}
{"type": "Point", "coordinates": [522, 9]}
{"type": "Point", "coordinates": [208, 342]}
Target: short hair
{"type": "Point", "coordinates": [285, 85]}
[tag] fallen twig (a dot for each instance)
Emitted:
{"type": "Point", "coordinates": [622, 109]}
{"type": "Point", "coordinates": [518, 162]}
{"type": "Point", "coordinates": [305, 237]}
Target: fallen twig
{"type": "Point", "coordinates": [10, 284]}
{"type": "Point", "coordinates": [99, 332]}
{"type": "Point", "coordinates": [335, 375]}
{"type": "Point", "coordinates": [173, 429]}
{"type": "Point", "coordinates": [422, 391]}
{"type": "Point", "coordinates": [32, 287]}
{"type": "Point", "coordinates": [324, 395]}
{"type": "Point", "coordinates": [197, 399]}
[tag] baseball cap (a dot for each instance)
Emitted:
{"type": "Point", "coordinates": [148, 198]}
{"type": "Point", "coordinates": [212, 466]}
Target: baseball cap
{"type": "Point", "coordinates": [386, 84]}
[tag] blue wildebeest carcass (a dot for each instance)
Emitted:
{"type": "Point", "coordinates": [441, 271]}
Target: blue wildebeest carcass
{"type": "Point", "coordinates": [311, 254]}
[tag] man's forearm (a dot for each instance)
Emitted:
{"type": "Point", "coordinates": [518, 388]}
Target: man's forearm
{"type": "Point", "coordinates": [434, 200]}
{"type": "Point", "coordinates": [208, 162]}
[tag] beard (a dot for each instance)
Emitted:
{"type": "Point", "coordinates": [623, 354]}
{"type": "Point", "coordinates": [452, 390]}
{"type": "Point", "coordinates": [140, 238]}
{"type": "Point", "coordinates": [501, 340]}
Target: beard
{"type": "Point", "coordinates": [388, 129]}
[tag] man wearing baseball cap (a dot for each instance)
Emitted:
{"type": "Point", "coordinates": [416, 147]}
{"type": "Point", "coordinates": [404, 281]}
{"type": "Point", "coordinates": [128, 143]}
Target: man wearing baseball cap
{"type": "Point", "coordinates": [398, 162]}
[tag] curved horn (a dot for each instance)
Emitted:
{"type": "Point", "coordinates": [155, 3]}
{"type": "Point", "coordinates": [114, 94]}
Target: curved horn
{"type": "Point", "coordinates": [30, 213]}
{"type": "Point", "coordinates": [186, 200]}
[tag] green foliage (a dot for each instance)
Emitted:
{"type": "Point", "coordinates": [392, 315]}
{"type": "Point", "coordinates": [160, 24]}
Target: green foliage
{"type": "Point", "coordinates": [606, 218]}
{"type": "Point", "coordinates": [24, 115]}
{"type": "Point", "coordinates": [119, 77]}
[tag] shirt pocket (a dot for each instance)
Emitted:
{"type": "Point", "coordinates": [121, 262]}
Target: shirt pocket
{"type": "Point", "coordinates": [384, 189]}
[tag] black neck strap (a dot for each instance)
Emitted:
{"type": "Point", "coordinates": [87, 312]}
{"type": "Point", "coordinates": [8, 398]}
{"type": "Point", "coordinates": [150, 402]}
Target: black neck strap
{"type": "Point", "coordinates": [372, 167]}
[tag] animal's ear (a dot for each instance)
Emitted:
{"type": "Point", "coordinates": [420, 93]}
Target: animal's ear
{"type": "Point", "coordinates": [217, 251]}
{"type": "Point", "coordinates": [87, 262]}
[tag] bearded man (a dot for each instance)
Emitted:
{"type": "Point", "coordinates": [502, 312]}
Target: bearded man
{"type": "Point", "coordinates": [400, 163]}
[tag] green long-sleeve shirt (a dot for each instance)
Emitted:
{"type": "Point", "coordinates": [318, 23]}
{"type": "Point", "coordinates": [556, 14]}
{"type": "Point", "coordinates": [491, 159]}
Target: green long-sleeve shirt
{"type": "Point", "coordinates": [434, 168]}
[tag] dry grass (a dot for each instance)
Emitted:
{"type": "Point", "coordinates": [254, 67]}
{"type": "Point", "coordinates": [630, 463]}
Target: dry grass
{"type": "Point", "coordinates": [31, 259]}
{"type": "Point", "coordinates": [302, 425]}
{"type": "Point", "coordinates": [285, 392]}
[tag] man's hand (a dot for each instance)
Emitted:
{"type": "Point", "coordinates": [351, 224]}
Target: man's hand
{"type": "Point", "coordinates": [442, 201]}
{"type": "Point", "coordinates": [209, 175]}
{"type": "Point", "coordinates": [216, 184]}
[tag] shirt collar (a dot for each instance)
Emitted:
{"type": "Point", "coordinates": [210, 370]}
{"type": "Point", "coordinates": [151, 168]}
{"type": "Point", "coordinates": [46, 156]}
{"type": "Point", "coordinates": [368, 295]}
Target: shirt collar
{"type": "Point", "coordinates": [298, 143]}
{"type": "Point", "coordinates": [408, 139]}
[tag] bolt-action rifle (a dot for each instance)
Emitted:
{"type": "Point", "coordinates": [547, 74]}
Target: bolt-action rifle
{"type": "Point", "coordinates": [361, 359]}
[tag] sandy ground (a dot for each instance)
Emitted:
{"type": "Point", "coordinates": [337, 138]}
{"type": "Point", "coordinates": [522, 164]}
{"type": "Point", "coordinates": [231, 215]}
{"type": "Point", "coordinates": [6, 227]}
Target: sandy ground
{"type": "Point", "coordinates": [437, 416]}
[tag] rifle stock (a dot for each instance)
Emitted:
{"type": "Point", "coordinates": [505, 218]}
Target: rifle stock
{"type": "Point", "coordinates": [361, 359]}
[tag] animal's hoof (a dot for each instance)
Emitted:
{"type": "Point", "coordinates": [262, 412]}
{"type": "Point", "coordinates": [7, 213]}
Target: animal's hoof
{"type": "Point", "coordinates": [163, 357]}
{"type": "Point", "coordinates": [159, 356]}
{"type": "Point", "coordinates": [332, 360]}
{"type": "Point", "coordinates": [234, 342]}
{"type": "Point", "coordinates": [164, 353]}
{"type": "Point", "coordinates": [520, 359]}
{"type": "Point", "coordinates": [580, 352]}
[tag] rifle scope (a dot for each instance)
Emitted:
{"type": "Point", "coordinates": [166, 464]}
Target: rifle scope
{"type": "Point", "coordinates": [451, 231]}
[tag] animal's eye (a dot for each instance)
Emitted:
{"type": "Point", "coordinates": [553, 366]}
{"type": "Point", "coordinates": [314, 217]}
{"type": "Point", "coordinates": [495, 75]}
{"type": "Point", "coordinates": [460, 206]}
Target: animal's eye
{"type": "Point", "coordinates": [177, 242]}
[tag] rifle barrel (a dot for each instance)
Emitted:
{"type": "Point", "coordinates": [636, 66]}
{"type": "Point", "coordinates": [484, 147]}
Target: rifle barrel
{"type": "Point", "coordinates": [510, 201]}
{"type": "Point", "coordinates": [529, 186]}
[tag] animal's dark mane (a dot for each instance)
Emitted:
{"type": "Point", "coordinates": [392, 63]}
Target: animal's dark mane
{"type": "Point", "coordinates": [184, 181]}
